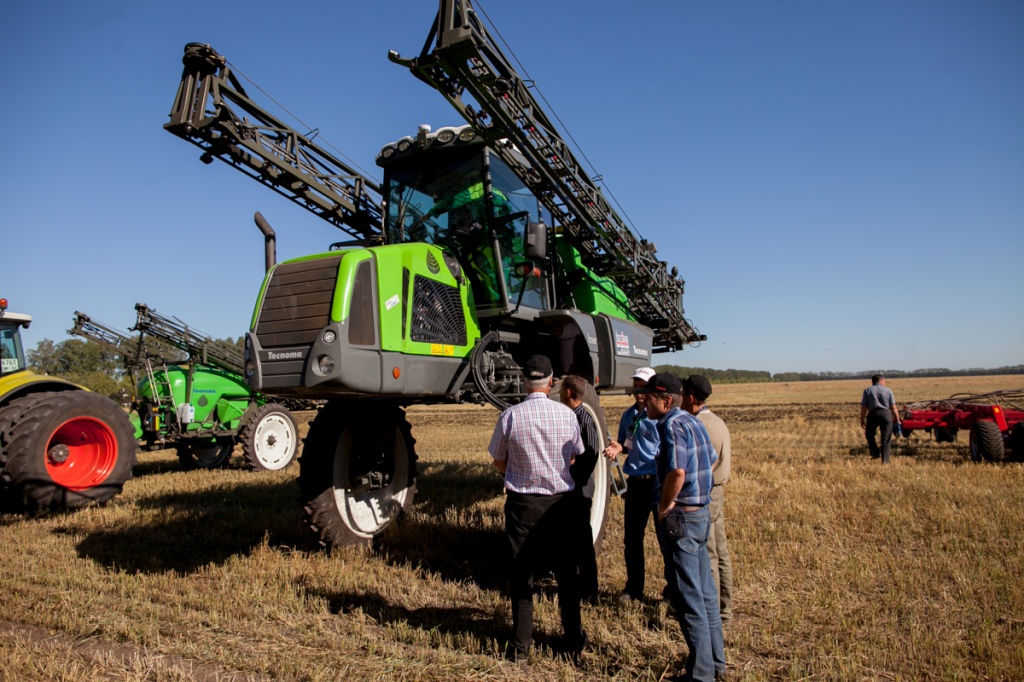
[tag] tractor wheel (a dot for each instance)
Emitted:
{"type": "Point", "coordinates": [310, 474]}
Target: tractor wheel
{"type": "Point", "coordinates": [944, 435]}
{"type": "Point", "coordinates": [270, 438]}
{"type": "Point", "coordinates": [357, 473]}
{"type": "Point", "coordinates": [205, 453]}
{"type": "Point", "coordinates": [65, 449]}
{"type": "Point", "coordinates": [987, 442]}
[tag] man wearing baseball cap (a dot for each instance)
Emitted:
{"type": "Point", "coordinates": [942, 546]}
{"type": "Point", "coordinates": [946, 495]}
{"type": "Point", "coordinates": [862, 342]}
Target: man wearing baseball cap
{"type": "Point", "coordinates": [638, 438]}
{"type": "Point", "coordinates": [696, 390]}
{"type": "Point", "coordinates": [684, 474]}
{"type": "Point", "coordinates": [534, 443]}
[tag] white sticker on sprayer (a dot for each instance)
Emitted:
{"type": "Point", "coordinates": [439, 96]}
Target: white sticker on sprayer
{"type": "Point", "coordinates": [391, 302]}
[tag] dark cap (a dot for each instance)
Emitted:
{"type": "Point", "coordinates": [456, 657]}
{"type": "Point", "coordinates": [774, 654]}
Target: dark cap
{"type": "Point", "coordinates": [662, 382]}
{"type": "Point", "coordinates": [698, 386]}
{"type": "Point", "coordinates": [537, 367]}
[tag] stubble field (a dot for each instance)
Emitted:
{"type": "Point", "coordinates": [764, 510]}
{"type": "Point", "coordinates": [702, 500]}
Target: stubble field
{"type": "Point", "coordinates": [844, 569]}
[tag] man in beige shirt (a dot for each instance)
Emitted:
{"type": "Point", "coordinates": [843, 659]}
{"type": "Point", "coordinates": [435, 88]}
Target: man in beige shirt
{"type": "Point", "coordinates": [696, 390]}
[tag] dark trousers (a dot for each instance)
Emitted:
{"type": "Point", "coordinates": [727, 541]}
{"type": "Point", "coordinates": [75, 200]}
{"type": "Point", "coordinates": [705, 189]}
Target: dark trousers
{"type": "Point", "coordinates": [586, 558]}
{"type": "Point", "coordinates": [639, 500]}
{"type": "Point", "coordinates": [539, 530]}
{"type": "Point", "coordinates": [879, 420]}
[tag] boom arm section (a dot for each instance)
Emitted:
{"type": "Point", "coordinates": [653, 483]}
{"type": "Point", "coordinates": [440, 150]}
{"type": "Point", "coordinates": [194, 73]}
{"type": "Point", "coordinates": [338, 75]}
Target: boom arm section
{"type": "Point", "coordinates": [212, 111]}
{"type": "Point", "coordinates": [132, 350]}
{"type": "Point", "coordinates": [465, 60]}
{"type": "Point", "coordinates": [201, 348]}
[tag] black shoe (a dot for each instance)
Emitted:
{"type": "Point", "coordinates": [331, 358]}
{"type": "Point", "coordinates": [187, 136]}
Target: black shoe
{"type": "Point", "coordinates": [517, 656]}
{"type": "Point", "coordinates": [575, 651]}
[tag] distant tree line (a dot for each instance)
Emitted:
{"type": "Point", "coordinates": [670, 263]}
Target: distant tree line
{"type": "Point", "coordinates": [746, 376]}
{"type": "Point", "coordinates": [719, 376]}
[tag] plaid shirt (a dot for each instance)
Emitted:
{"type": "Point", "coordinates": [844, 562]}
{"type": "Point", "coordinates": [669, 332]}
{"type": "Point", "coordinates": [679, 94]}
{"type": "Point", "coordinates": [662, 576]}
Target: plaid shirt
{"type": "Point", "coordinates": [537, 439]}
{"type": "Point", "coordinates": [685, 445]}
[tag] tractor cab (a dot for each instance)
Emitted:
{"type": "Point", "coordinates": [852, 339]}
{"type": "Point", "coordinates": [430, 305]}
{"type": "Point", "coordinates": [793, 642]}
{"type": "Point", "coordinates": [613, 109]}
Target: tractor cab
{"type": "Point", "coordinates": [448, 188]}
{"type": "Point", "coordinates": [12, 353]}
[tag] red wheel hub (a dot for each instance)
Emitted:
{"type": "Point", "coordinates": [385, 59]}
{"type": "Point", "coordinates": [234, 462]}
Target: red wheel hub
{"type": "Point", "coordinates": [81, 453]}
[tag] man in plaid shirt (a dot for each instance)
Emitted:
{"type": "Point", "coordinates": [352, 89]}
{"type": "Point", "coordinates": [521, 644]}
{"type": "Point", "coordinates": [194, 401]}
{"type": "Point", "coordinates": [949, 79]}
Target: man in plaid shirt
{"type": "Point", "coordinates": [534, 443]}
{"type": "Point", "coordinates": [684, 474]}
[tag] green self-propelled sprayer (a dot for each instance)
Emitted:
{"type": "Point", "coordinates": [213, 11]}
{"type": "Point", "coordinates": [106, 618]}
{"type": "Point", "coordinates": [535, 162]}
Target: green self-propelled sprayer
{"type": "Point", "coordinates": [485, 243]}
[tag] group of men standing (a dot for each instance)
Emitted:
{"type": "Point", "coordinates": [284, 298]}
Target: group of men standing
{"type": "Point", "coordinates": [678, 454]}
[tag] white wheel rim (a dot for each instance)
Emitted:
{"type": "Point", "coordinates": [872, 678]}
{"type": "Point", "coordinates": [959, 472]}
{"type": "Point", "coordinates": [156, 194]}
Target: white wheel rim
{"type": "Point", "coordinates": [367, 514]}
{"type": "Point", "coordinates": [274, 441]}
{"type": "Point", "coordinates": [602, 485]}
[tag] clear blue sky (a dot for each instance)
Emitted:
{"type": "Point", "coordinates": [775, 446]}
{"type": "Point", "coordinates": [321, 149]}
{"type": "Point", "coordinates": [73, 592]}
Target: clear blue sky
{"type": "Point", "coordinates": [840, 183]}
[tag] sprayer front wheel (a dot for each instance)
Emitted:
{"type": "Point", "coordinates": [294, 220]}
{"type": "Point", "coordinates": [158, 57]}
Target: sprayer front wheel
{"type": "Point", "coordinates": [357, 473]}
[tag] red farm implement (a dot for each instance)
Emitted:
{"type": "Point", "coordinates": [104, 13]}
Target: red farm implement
{"type": "Point", "coordinates": [994, 420]}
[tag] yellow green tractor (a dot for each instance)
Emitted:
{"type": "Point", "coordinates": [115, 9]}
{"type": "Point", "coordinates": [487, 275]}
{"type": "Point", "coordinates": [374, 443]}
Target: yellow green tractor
{"type": "Point", "coordinates": [61, 446]}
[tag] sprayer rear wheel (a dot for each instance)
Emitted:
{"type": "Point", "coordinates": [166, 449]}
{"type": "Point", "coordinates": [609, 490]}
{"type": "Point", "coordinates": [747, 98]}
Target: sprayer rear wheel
{"type": "Point", "coordinates": [205, 453]}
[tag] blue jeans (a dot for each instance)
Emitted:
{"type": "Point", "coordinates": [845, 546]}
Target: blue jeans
{"type": "Point", "coordinates": [684, 538]}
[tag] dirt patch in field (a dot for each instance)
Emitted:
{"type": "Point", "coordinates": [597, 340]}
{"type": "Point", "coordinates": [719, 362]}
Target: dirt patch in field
{"type": "Point", "coordinates": [104, 658]}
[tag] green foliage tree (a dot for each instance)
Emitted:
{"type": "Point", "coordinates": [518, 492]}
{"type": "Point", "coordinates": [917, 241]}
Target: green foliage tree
{"type": "Point", "coordinates": [82, 362]}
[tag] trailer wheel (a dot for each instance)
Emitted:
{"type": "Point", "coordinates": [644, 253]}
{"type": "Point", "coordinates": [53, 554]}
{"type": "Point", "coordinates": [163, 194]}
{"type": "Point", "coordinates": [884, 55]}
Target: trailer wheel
{"type": "Point", "coordinates": [270, 438]}
{"type": "Point", "coordinates": [357, 473]}
{"type": "Point", "coordinates": [65, 449]}
{"type": "Point", "coordinates": [205, 453]}
{"type": "Point", "coordinates": [987, 442]}
{"type": "Point", "coordinates": [944, 435]}
{"type": "Point", "coordinates": [1016, 441]}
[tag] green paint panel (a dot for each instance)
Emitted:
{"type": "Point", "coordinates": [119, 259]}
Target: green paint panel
{"type": "Point", "coordinates": [591, 293]}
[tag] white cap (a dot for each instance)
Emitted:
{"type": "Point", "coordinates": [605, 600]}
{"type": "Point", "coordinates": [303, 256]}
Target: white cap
{"type": "Point", "coordinates": [644, 373]}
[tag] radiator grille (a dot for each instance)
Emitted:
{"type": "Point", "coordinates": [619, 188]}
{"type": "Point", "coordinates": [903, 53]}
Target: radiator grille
{"type": "Point", "coordinates": [297, 304]}
{"type": "Point", "coordinates": [437, 314]}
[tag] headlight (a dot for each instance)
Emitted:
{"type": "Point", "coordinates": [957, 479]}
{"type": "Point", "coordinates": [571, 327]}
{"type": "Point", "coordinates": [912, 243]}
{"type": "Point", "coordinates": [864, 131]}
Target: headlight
{"type": "Point", "coordinates": [329, 336]}
{"type": "Point", "coordinates": [326, 364]}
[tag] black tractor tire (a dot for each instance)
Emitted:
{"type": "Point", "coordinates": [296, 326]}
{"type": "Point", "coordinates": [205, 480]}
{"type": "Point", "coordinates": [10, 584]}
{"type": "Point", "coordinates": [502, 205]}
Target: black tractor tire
{"type": "Point", "coordinates": [944, 435]}
{"type": "Point", "coordinates": [357, 473]}
{"type": "Point", "coordinates": [205, 453]}
{"type": "Point", "coordinates": [65, 449]}
{"type": "Point", "coordinates": [270, 437]}
{"type": "Point", "coordinates": [987, 442]}
{"type": "Point", "coordinates": [1017, 442]}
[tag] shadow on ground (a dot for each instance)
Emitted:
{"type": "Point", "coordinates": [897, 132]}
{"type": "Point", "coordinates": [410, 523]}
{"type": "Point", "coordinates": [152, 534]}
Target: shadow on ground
{"type": "Point", "coordinates": [193, 529]}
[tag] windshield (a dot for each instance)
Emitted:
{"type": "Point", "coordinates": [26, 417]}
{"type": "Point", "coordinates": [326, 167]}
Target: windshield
{"type": "Point", "coordinates": [445, 201]}
{"type": "Point", "coordinates": [12, 358]}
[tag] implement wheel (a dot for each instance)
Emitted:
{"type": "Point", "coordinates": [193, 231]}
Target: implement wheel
{"type": "Point", "coordinates": [987, 442]}
{"type": "Point", "coordinates": [66, 449]}
{"type": "Point", "coordinates": [945, 435]}
{"type": "Point", "coordinates": [357, 473]}
{"type": "Point", "coordinates": [270, 438]}
{"type": "Point", "coordinates": [602, 486]}
{"type": "Point", "coordinates": [205, 453]}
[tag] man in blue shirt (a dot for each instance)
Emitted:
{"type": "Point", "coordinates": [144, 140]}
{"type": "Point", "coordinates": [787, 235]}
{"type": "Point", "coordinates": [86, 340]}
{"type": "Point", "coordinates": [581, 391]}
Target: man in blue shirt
{"type": "Point", "coordinates": [638, 438]}
{"type": "Point", "coordinates": [685, 479]}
